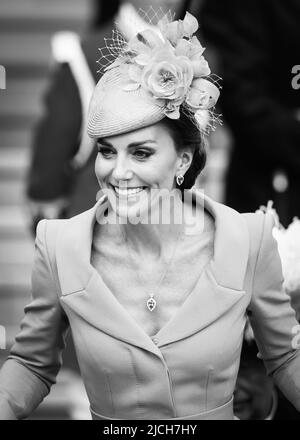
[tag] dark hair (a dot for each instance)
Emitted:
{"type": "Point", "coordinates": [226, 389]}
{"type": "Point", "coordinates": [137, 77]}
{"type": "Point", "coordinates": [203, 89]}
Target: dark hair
{"type": "Point", "coordinates": [186, 134]}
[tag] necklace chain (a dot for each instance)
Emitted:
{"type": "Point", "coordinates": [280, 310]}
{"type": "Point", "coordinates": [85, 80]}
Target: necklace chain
{"type": "Point", "coordinates": [151, 301]}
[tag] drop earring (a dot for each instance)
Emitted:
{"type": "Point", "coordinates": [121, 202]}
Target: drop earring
{"type": "Point", "coordinates": [179, 179]}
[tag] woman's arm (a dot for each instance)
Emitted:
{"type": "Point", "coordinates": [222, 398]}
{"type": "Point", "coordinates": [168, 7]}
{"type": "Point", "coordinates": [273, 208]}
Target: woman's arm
{"type": "Point", "coordinates": [275, 327]}
{"type": "Point", "coordinates": [36, 356]}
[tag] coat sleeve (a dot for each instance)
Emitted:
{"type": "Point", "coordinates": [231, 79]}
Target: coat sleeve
{"type": "Point", "coordinates": [36, 356]}
{"type": "Point", "coordinates": [273, 320]}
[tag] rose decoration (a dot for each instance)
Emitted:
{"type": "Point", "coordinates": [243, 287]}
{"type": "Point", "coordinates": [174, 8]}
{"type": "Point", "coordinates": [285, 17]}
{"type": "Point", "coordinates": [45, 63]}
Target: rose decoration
{"type": "Point", "coordinates": [203, 94]}
{"type": "Point", "coordinates": [170, 67]}
{"type": "Point", "coordinates": [193, 50]}
{"type": "Point", "coordinates": [168, 77]}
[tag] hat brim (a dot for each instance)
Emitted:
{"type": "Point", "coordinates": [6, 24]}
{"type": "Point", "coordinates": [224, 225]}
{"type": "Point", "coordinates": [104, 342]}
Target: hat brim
{"type": "Point", "coordinates": [114, 110]}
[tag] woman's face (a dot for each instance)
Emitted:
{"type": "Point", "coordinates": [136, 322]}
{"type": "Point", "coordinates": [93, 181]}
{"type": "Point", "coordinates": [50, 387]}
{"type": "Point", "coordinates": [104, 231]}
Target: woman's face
{"type": "Point", "coordinates": [133, 164]}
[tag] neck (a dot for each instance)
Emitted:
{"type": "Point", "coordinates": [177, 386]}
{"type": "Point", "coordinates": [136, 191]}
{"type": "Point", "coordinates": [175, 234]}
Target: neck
{"type": "Point", "coordinates": [157, 233]}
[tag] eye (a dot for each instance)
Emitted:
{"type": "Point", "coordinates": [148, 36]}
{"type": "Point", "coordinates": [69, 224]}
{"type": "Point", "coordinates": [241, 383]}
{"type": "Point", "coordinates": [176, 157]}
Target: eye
{"type": "Point", "coordinates": [142, 154]}
{"type": "Point", "coordinates": [105, 151]}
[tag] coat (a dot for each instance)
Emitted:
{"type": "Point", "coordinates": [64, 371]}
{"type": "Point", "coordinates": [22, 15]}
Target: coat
{"type": "Point", "coordinates": [188, 369]}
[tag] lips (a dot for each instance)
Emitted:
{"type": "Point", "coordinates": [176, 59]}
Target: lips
{"type": "Point", "coordinates": [127, 192]}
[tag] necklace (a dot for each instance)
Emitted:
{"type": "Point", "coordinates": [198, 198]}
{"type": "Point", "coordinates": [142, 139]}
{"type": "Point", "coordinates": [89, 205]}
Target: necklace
{"type": "Point", "coordinates": [151, 301]}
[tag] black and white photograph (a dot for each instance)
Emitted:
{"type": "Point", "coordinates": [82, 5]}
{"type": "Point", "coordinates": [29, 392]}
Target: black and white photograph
{"type": "Point", "coordinates": [149, 213]}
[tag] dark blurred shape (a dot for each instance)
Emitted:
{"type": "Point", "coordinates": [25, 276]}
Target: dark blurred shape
{"type": "Point", "coordinates": [187, 5]}
{"type": "Point", "coordinates": [257, 43]}
{"type": "Point", "coordinates": [255, 397]}
{"type": "Point", "coordinates": [103, 11]}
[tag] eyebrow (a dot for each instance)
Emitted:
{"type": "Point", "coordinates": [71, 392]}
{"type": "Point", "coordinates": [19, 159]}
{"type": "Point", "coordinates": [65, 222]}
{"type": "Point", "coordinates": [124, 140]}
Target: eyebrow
{"type": "Point", "coordinates": [132, 145]}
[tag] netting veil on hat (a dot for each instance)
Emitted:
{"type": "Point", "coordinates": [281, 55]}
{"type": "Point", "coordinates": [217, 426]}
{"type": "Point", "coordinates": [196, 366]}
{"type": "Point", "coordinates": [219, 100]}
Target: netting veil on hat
{"type": "Point", "coordinates": [158, 73]}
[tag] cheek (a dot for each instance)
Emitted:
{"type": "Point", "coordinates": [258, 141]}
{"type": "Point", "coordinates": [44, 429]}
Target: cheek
{"type": "Point", "coordinates": [167, 169]}
{"type": "Point", "coordinates": [162, 171]}
{"type": "Point", "coordinates": [102, 168]}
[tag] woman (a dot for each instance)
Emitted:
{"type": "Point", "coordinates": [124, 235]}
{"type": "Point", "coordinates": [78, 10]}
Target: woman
{"type": "Point", "coordinates": [156, 303]}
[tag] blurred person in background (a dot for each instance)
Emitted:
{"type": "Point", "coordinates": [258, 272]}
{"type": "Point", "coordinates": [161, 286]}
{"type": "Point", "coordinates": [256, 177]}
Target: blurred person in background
{"type": "Point", "coordinates": [61, 178]}
{"type": "Point", "coordinates": [256, 45]}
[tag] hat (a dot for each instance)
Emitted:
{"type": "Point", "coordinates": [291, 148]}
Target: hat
{"type": "Point", "coordinates": [156, 74]}
{"type": "Point", "coordinates": [114, 110]}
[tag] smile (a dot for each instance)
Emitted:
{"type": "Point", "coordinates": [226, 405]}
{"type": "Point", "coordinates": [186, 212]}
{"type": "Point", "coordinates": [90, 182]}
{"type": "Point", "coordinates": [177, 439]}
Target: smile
{"type": "Point", "coordinates": [128, 191]}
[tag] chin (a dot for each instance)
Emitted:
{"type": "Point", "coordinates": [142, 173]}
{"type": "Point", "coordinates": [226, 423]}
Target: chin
{"type": "Point", "coordinates": [132, 209]}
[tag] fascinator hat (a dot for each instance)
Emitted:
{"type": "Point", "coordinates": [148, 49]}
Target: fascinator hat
{"type": "Point", "coordinates": [160, 72]}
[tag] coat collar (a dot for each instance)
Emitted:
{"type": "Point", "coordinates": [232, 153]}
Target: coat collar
{"type": "Point", "coordinates": [218, 289]}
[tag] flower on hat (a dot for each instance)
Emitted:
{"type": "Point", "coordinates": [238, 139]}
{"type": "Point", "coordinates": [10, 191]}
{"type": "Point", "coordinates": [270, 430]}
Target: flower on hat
{"type": "Point", "coordinates": [168, 77]}
{"type": "Point", "coordinates": [175, 30]}
{"type": "Point", "coordinates": [203, 94]}
{"type": "Point", "coordinates": [193, 50]}
{"type": "Point", "coordinates": [167, 63]}
{"type": "Point", "coordinates": [161, 73]}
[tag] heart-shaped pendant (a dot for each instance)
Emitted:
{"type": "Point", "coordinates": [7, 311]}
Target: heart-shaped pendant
{"type": "Point", "coordinates": [151, 303]}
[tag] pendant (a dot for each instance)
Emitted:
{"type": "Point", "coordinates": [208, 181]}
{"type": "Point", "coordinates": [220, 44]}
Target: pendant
{"type": "Point", "coordinates": [151, 303]}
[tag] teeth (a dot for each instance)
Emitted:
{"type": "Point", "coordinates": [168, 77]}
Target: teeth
{"type": "Point", "coordinates": [128, 192]}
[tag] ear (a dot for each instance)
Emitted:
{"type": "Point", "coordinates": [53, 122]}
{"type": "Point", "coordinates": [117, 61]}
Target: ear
{"type": "Point", "coordinates": [185, 158]}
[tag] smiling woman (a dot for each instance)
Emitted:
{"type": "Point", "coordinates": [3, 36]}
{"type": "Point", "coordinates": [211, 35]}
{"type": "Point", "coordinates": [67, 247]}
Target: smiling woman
{"type": "Point", "coordinates": [157, 308]}
{"type": "Point", "coordinates": [136, 163]}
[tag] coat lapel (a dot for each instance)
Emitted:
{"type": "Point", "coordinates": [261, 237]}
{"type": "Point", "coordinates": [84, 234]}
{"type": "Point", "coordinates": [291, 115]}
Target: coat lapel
{"type": "Point", "coordinates": [221, 284]}
{"type": "Point", "coordinates": [82, 287]}
{"type": "Point", "coordinates": [100, 308]}
{"type": "Point", "coordinates": [218, 289]}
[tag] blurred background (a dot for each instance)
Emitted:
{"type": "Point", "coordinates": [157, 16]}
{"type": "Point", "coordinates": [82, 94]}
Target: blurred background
{"type": "Point", "coordinates": [46, 162]}
{"type": "Point", "coordinates": [26, 28]}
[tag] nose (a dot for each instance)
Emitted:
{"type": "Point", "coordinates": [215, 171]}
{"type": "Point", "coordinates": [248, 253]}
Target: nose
{"type": "Point", "coordinates": [122, 170]}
